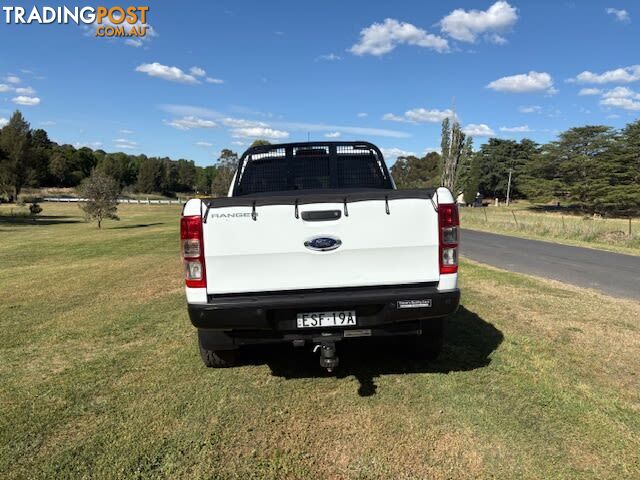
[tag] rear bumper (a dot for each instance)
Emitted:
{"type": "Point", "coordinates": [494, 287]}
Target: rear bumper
{"type": "Point", "coordinates": [276, 312]}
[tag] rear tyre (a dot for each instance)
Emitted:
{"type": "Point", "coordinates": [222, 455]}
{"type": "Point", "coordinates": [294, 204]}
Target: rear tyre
{"type": "Point", "coordinates": [428, 345]}
{"type": "Point", "coordinates": [217, 358]}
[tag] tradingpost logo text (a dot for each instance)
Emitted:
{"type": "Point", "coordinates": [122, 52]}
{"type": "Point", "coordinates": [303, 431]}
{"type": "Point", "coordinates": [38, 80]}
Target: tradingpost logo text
{"type": "Point", "coordinates": [128, 21]}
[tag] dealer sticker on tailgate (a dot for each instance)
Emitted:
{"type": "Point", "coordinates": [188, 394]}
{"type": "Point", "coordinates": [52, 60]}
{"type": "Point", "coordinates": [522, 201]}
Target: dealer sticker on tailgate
{"type": "Point", "coordinates": [327, 319]}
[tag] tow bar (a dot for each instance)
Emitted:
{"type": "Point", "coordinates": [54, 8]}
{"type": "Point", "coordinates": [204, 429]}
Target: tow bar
{"type": "Point", "coordinates": [328, 357]}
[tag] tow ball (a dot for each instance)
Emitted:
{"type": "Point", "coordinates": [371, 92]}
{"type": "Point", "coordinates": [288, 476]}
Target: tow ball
{"type": "Point", "coordinates": [328, 357]}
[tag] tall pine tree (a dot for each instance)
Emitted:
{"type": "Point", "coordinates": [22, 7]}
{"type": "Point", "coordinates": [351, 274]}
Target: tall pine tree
{"type": "Point", "coordinates": [15, 142]}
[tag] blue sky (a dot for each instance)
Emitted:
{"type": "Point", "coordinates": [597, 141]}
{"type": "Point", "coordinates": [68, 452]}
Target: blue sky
{"type": "Point", "coordinates": [386, 72]}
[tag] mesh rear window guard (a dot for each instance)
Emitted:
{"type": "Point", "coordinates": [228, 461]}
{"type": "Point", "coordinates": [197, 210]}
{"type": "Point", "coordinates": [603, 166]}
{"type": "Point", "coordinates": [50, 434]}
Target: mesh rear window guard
{"type": "Point", "coordinates": [311, 166]}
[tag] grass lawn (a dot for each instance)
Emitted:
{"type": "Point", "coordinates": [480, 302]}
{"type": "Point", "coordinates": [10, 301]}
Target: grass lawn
{"type": "Point", "coordinates": [585, 231]}
{"type": "Point", "coordinates": [100, 376]}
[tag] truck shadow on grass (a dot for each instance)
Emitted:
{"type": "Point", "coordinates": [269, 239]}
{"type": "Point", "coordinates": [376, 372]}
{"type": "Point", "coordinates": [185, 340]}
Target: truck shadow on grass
{"type": "Point", "coordinates": [469, 342]}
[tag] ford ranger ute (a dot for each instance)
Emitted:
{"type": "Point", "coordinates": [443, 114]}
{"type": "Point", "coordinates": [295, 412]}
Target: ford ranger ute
{"type": "Point", "coordinates": [313, 245]}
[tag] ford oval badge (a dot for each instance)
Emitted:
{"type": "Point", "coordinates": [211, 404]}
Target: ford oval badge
{"type": "Point", "coordinates": [323, 244]}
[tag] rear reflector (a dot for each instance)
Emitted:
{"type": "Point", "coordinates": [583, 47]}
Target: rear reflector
{"type": "Point", "coordinates": [192, 248]}
{"type": "Point", "coordinates": [449, 222]}
{"type": "Point", "coordinates": [193, 270]}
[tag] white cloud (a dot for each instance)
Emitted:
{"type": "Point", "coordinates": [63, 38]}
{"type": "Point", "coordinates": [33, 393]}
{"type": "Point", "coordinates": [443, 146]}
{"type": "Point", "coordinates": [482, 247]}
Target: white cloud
{"type": "Point", "coordinates": [530, 109]}
{"type": "Point", "coordinates": [619, 75]}
{"type": "Point", "coordinates": [48, 123]}
{"type": "Point", "coordinates": [25, 91]}
{"type": "Point", "coordinates": [25, 100]}
{"type": "Point", "coordinates": [5, 88]}
{"type": "Point", "coordinates": [3, 122]}
{"type": "Point", "coordinates": [478, 130]}
{"type": "Point", "coordinates": [241, 123]}
{"type": "Point", "coordinates": [621, 97]}
{"type": "Point", "coordinates": [259, 132]}
{"type": "Point", "coordinates": [189, 122]}
{"type": "Point", "coordinates": [620, 92]}
{"type": "Point", "coordinates": [216, 81]}
{"type": "Point", "coordinates": [394, 153]}
{"type": "Point", "coordinates": [420, 115]}
{"type": "Point", "coordinates": [191, 110]}
{"type": "Point", "coordinates": [363, 131]}
{"type": "Point", "coordinates": [621, 102]}
{"type": "Point", "coordinates": [332, 134]}
{"type": "Point", "coordinates": [393, 117]}
{"type": "Point", "coordinates": [621, 15]}
{"type": "Point", "coordinates": [519, 129]}
{"type": "Point", "coordinates": [204, 144]}
{"type": "Point", "coordinates": [381, 38]}
{"type": "Point", "coordinates": [330, 57]}
{"type": "Point", "coordinates": [13, 79]}
{"type": "Point", "coordinates": [589, 91]}
{"type": "Point", "coordinates": [124, 131]}
{"type": "Point", "coordinates": [362, 115]}
{"type": "Point", "coordinates": [524, 83]}
{"type": "Point", "coordinates": [497, 39]}
{"type": "Point", "coordinates": [239, 143]}
{"type": "Point", "coordinates": [172, 74]}
{"type": "Point", "coordinates": [197, 71]}
{"type": "Point", "coordinates": [465, 26]}
{"type": "Point", "coordinates": [125, 144]}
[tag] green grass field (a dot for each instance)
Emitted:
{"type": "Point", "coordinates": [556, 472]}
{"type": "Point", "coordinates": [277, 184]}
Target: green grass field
{"type": "Point", "coordinates": [100, 376]}
{"type": "Point", "coordinates": [523, 221]}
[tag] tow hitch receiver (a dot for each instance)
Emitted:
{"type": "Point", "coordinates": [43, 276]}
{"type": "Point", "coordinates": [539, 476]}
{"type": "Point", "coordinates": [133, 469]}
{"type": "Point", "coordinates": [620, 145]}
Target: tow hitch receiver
{"type": "Point", "coordinates": [328, 357]}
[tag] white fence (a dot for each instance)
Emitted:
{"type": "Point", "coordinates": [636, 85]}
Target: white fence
{"type": "Point", "coordinates": [120, 200]}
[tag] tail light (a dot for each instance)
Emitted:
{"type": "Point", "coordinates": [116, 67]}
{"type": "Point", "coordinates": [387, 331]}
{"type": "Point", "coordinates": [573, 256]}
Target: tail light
{"type": "Point", "coordinates": [193, 251]}
{"type": "Point", "coordinates": [449, 222]}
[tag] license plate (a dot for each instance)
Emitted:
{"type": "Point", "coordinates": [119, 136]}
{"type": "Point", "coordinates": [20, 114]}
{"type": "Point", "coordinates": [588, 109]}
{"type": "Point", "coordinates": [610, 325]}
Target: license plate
{"type": "Point", "coordinates": [327, 319]}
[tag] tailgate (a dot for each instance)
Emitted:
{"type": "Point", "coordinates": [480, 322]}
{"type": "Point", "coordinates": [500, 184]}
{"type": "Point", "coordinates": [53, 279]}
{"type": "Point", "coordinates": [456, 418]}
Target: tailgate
{"type": "Point", "coordinates": [269, 253]}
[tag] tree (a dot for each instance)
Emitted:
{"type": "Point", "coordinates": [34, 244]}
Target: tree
{"type": "Point", "coordinates": [15, 142]}
{"type": "Point", "coordinates": [456, 152]}
{"type": "Point", "coordinates": [101, 192]}
{"type": "Point", "coordinates": [59, 168]}
{"type": "Point", "coordinates": [119, 166]}
{"type": "Point", "coordinates": [496, 158]}
{"type": "Point", "coordinates": [39, 158]}
{"type": "Point", "coordinates": [4, 187]}
{"type": "Point", "coordinates": [150, 176]}
{"type": "Point", "coordinates": [259, 143]}
{"type": "Point", "coordinates": [225, 170]}
{"type": "Point", "coordinates": [186, 175]}
{"type": "Point", "coordinates": [414, 172]}
{"type": "Point", "coordinates": [580, 167]}
{"type": "Point", "coordinates": [624, 175]}
{"type": "Point", "coordinates": [83, 161]}
{"type": "Point", "coordinates": [471, 184]}
{"type": "Point", "coordinates": [204, 179]}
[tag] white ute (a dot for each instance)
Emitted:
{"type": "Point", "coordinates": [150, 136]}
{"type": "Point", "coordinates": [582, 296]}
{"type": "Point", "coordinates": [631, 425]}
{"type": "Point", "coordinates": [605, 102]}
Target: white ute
{"type": "Point", "coordinates": [315, 244]}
